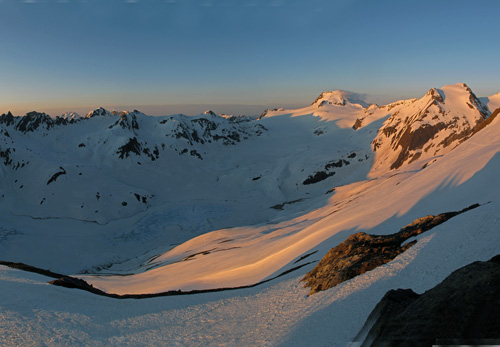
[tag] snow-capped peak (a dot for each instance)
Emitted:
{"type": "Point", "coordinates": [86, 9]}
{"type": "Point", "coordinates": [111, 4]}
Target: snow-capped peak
{"type": "Point", "coordinates": [339, 98]}
{"type": "Point", "coordinates": [98, 112]}
{"type": "Point", "coordinates": [428, 127]}
{"type": "Point", "coordinates": [71, 115]}
{"type": "Point", "coordinates": [210, 112]}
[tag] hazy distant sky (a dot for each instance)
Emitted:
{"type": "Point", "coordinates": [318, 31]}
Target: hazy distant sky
{"type": "Point", "coordinates": [148, 54]}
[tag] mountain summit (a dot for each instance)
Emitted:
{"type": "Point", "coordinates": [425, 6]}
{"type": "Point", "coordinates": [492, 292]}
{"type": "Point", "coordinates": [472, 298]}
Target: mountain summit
{"type": "Point", "coordinates": [339, 98]}
{"type": "Point", "coordinates": [428, 127]}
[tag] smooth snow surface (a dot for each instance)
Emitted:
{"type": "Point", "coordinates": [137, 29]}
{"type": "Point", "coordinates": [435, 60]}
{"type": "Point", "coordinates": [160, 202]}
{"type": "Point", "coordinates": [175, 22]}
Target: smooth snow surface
{"type": "Point", "coordinates": [241, 215]}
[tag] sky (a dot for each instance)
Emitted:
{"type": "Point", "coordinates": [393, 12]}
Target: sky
{"type": "Point", "coordinates": [239, 56]}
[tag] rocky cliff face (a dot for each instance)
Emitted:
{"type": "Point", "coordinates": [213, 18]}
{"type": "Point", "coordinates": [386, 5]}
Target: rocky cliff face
{"type": "Point", "coordinates": [462, 310]}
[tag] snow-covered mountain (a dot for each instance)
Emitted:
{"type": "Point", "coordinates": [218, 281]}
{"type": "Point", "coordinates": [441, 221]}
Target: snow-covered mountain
{"type": "Point", "coordinates": [135, 204]}
{"type": "Point", "coordinates": [428, 127]}
{"type": "Point", "coordinates": [116, 159]}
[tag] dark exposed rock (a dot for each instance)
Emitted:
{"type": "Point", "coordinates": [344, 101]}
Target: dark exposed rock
{"type": "Point", "coordinates": [56, 175]}
{"type": "Point", "coordinates": [29, 268]}
{"type": "Point", "coordinates": [194, 153]}
{"type": "Point", "coordinates": [7, 119]}
{"type": "Point", "coordinates": [318, 177]}
{"type": "Point", "coordinates": [322, 175]}
{"type": "Point", "coordinates": [488, 121]}
{"type": "Point", "coordinates": [338, 163]}
{"type": "Point", "coordinates": [128, 121]}
{"type": "Point", "coordinates": [32, 121]}
{"type": "Point", "coordinates": [5, 154]}
{"type": "Point", "coordinates": [473, 99]}
{"type": "Point", "coordinates": [132, 146]}
{"type": "Point", "coordinates": [77, 283]}
{"type": "Point", "coordinates": [263, 114]}
{"type": "Point", "coordinates": [413, 140]}
{"type": "Point", "coordinates": [461, 309]}
{"type": "Point", "coordinates": [362, 252]}
{"type": "Point", "coordinates": [357, 124]}
{"type": "Point", "coordinates": [279, 207]}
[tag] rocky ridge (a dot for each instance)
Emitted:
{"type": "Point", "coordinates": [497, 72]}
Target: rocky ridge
{"type": "Point", "coordinates": [461, 310]}
{"type": "Point", "coordinates": [362, 252]}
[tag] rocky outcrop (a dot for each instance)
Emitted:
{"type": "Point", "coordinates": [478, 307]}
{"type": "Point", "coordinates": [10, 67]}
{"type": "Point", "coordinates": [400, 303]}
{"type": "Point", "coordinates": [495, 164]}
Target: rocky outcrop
{"type": "Point", "coordinates": [461, 310]}
{"type": "Point", "coordinates": [132, 146]}
{"type": "Point", "coordinates": [56, 175]}
{"type": "Point", "coordinates": [329, 168]}
{"type": "Point", "coordinates": [362, 252]}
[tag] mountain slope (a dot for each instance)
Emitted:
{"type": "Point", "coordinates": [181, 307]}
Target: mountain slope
{"type": "Point", "coordinates": [430, 127]}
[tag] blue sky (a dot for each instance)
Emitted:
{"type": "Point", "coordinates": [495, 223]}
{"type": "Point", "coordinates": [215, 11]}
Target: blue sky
{"type": "Point", "coordinates": [180, 55]}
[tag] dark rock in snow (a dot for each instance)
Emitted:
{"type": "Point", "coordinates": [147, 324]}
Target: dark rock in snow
{"type": "Point", "coordinates": [132, 146]}
{"type": "Point", "coordinates": [7, 119]}
{"type": "Point", "coordinates": [317, 177]}
{"type": "Point", "coordinates": [357, 124]}
{"type": "Point", "coordinates": [29, 268]}
{"type": "Point", "coordinates": [56, 175]}
{"type": "Point", "coordinates": [362, 252]}
{"type": "Point", "coordinates": [127, 120]}
{"type": "Point", "coordinates": [6, 156]}
{"type": "Point", "coordinates": [461, 310]}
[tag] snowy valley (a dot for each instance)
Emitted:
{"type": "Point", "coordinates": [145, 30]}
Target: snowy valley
{"type": "Point", "coordinates": [137, 205]}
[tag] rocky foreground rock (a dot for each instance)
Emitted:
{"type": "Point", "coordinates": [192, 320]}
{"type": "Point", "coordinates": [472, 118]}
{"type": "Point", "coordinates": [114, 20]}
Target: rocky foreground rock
{"type": "Point", "coordinates": [464, 309]}
{"type": "Point", "coordinates": [362, 252]}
